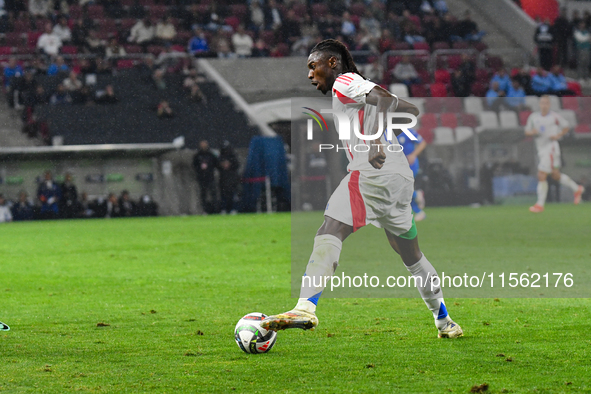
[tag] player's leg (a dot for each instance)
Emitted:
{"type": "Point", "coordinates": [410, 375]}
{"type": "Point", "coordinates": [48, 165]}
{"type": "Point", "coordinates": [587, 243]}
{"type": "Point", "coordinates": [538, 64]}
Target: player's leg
{"type": "Point", "coordinates": [415, 203]}
{"type": "Point", "coordinates": [4, 327]}
{"type": "Point", "coordinates": [542, 191]}
{"type": "Point", "coordinates": [322, 264]}
{"type": "Point", "coordinates": [567, 181]}
{"type": "Point", "coordinates": [407, 246]}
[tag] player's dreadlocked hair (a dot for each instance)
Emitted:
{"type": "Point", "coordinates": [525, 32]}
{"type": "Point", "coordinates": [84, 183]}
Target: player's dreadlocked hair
{"type": "Point", "coordinates": [338, 49]}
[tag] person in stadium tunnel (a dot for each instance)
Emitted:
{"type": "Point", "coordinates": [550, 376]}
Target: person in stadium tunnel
{"type": "Point", "coordinates": [205, 163]}
{"type": "Point", "coordinates": [377, 190]}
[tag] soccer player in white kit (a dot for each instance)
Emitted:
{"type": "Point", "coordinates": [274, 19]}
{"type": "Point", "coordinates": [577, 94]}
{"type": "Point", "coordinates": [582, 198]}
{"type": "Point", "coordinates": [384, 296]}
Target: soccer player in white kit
{"type": "Point", "coordinates": [377, 190]}
{"type": "Point", "coordinates": [548, 128]}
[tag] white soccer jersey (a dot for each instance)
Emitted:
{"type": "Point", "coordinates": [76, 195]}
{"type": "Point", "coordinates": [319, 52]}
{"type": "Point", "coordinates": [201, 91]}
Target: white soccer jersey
{"type": "Point", "coordinates": [349, 93]}
{"type": "Point", "coordinates": [549, 125]}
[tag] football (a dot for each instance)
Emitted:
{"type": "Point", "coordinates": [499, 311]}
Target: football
{"type": "Point", "coordinates": [251, 337]}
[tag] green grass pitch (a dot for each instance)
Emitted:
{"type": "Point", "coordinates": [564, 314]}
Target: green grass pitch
{"type": "Point", "coordinates": [149, 305]}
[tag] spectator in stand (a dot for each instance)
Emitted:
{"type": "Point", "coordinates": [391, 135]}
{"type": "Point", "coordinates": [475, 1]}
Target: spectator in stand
{"type": "Point", "coordinates": [115, 49]}
{"type": "Point", "coordinates": [142, 33]}
{"type": "Point", "coordinates": [61, 96]}
{"type": "Point", "coordinates": [80, 33]}
{"type": "Point", "coordinates": [503, 79]}
{"type": "Point", "coordinates": [22, 89]}
{"type": "Point", "coordinates": [114, 8]}
{"type": "Point", "coordinates": [48, 194]}
{"type": "Point", "coordinates": [164, 111]}
{"type": "Point", "coordinates": [329, 26]}
{"type": "Point", "coordinates": [411, 33]}
{"type": "Point", "coordinates": [260, 49]}
{"type": "Point", "coordinates": [192, 18]}
{"type": "Point", "coordinates": [126, 204]}
{"type": "Point", "coordinates": [62, 30]}
{"type": "Point", "coordinates": [205, 163]}
{"type": "Point", "coordinates": [460, 84]}
{"type": "Point", "coordinates": [222, 47]}
{"type": "Point", "coordinates": [38, 66]}
{"type": "Point", "coordinates": [386, 41]}
{"type": "Point", "coordinates": [58, 66]}
{"type": "Point", "coordinates": [515, 98]}
{"type": "Point", "coordinates": [257, 16]}
{"type": "Point", "coordinates": [5, 214]}
{"type": "Point", "coordinates": [541, 83]}
{"type": "Point", "coordinates": [347, 25]}
{"type": "Point", "coordinates": [39, 8]}
{"type": "Point", "coordinates": [23, 209]}
{"type": "Point", "coordinates": [111, 207]}
{"type": "Point", "coordinates": [562, 30]}
{"type": "Point", "coordinates": [582, 39]}
{"type": "Point", "coordinates": [273, 17]}
{"type": "Point", "coordinates": [440, 7]}
{"type": "Point", "coordinates": [468, 68]}
{"type": "Point", "coordinates": [48, 42]}
{"type": "Point", "coordinates": [242, 42]}
{"type": "Point", "coordinates": [191, 83]}
{"type": "Point", "coordinates": [575, 18]}
{"type": "Point", "coordinates": [558, 85]}
{"type": "Point", "coordinates": [290, 29]}
{"type": "Point", "coordinates": [229, 179]}
{"type": "Point", "coordinates": [467, 29]}
{"type": "Point", "coordinates": [405, 72]}
{"type": "Point", "coordinates": [370, 24]}
{"type": "Point", "coordinates": [11, 71]}
{"type": "Point", "coordinates": [439, 31]}
{"type": "Point", "coordinates": [76, 88]}
{"type": "Point", "coordinates": [524, 78]}
{"type": "Point", "coordinates": [68, 203]}
{"type": "Point", "coordinates": [106, 96]}
{"type": "Point", "coordinates": [94, 44]}
{"type": "Point", "coordinates": [494, 96]}
{"type": "Point", "coordinates": [545, 41]}
{"type": "Point", "coordinates": [198, 44]}
{"type": "Point", "coordinates": [165, 31]}
{"type": "Point", "coordinates": [392, 25]}
{"type": "Point", "coordinates": [147, 207]}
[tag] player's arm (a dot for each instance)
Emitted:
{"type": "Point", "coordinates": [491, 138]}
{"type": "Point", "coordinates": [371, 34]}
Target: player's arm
{"type": "Point", "coordinates": [563, 123]}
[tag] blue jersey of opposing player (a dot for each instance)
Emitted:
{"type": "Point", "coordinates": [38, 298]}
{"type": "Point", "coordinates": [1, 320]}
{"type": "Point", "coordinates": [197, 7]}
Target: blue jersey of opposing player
{"type": "Point", "coordinates": [408, 147]}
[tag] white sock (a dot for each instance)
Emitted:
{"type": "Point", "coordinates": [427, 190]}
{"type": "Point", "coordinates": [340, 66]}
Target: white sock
{"type": "Point", "coordinates": [321, 266]}
{"type": "Point", "coordinates": [542, 192]}
{"type": "Point", "coordinates": [568, 182]}
{"type": "Point", "coordinates": [433, 297]}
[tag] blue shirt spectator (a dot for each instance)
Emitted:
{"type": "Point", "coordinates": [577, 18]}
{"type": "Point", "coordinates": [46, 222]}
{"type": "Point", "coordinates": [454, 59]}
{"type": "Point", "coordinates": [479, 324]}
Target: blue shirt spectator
{"type": "Point", "coordinates": [541, 82]}
{"type": "Point", "coordinates": [12, 70]}
{"type": "Point", "coordinates": [493, 93]}
{"type": "Point", "coordinates": [59, 66]}
{"type": "Point", "coordinates": [503, 79]}
{"type": "Point", "coordinates": [49, 194]}
{"type": "Point", "coordinates": [516, 95]}
{"type": "Point", "coordinates": [198, 44]}
{"type": "Point", "coordinates": [557, 81]}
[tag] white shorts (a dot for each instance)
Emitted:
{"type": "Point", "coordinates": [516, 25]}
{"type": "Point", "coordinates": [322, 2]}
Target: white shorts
{"type": "Point", "coordinates": [382, 200]}
{"type": "Point", "coordinates": [549, 159]}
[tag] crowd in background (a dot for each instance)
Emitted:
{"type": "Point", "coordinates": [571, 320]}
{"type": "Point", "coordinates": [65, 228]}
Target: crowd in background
{"type": "Point", "coordinates": [62, 201]}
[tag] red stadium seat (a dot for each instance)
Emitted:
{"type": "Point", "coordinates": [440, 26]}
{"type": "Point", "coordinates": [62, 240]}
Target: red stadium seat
{"type": "Point", "coordinates": [21, 26]}
{"type": "Point", "coordinates": [454, 104]}
{"type": "Point", "coordinates": [233, 21]}
{"type": "Point", "coordinates": [584, 116]}
{"type": "Point", "coordinates": [570, 103]}
{"type": "Point", "coordinates": [32, 38]}
{"type": "Point", "coordinates": [460, 45]}
{"type": "Point", "coordinates": [95, 11]}
{"type": "Point", "coordinates": [438, 90]}
{"type": "Point", "coordinates": [449, 120]}
{"type": "Point", "coordinates": [22, 50]}
{"type": "Point", "coordinates": [158, 11]}
{"type": "Point", "coordinates": [495, 62]}
{"type": "Point", "coordinates": [479, 89]}
{"type": "Point", "coordinates": [357, 9]}
{"type": "Point", "coordinates": [5, 51]}
{"type": "Point", "coordinates": [428, 120]}
{"type": "Point", "coordinates": [420, 62]}
{"type": "Point", "coordinates": [107, 25]}
{"type": "Point", "coordinates": [469, 120]}
{"type": "Point", "coordinates": [402, 46]}
{"type": "Point", "coordinates": [454, 61]}
{"type": "Point", "coordinates": [75, 11]}
{"type": "Point", "coordinates": [523, 115]}
{"type": "Point", "coordinates": [575, 87]}
{"type": "Point", "coordinates": [69, 50]}
{"type": "Point", "coordinates": [127, 23]}
{"type": "Point", "coordinates": [434, 105]}
{"type": "Point", "coordinates": [419, 90]}
{"type": "Point", "coordinates": [393, 61]}
{"type": "Point", "coordinates": [442, 76]}
{"type": "Point", "coordinates": [583, 129]}
{"type": "Point", "coordinates": [421, 46]}
{"type": "Point", "coordinates": [155, 50]}
{"type": "Point", "coordinates": [131, 49]}
{"type": "Point", "coordinates": [426, 133]}
{"type": "Point", "coordinates": [440, 45]}
{"type": "Point", "coordinates": [125, 63]}
{"type": "Point", "coordinates": [480, 46]}
{"type": "Point", "coordinates": [483, 75]}
{"type": "Point", "coordinates": [424, 75]}
{"type": "Point", "coordinates": [13, 39]}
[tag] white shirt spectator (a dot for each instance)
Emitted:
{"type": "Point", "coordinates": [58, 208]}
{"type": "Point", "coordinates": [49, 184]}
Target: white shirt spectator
{"type": "Point", "coordinates": [165, 31]}
{"type": "Point", "coordinates": [38, 7]}
{"type": "Point", "coordinates": [242, 44]}
{"type": "Point", "coordinates": [405, 71]}
{"type": "Point", "coordinates": [63, 32]}
{"type": "Point", "coordinates": [141, 33]}
{"type": "Point", "coordinates": [5, 214]}
{"type": "Point", "coordinates": [50, 43]}
{"type": "Point", "coordinates": [72, 85]}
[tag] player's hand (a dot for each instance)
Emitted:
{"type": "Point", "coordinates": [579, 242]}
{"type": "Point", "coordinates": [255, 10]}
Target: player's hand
{"type": "Point", "coordinates": [555, 137]}
{"type": "Point", "coordinates": [411, 159]}
{"type": "Point", "coordinates": [377, 156]}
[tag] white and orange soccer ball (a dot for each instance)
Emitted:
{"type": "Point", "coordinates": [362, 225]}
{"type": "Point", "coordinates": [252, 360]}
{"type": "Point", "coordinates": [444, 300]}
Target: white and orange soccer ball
{"type": "Point", "coordinates": [251, 337]}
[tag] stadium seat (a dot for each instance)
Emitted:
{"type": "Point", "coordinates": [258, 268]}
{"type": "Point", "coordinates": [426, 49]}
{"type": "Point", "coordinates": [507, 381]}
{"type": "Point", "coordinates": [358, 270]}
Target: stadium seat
{"type": "Point", "coordinates": [454, 61]}
{"type": "Point", "coordinates": [426, 133]}
{"type": "Point", "coordinates": [69, 50]}
{"type": "Point", "coordinates": [75, 11]}
{"type": "Point", "coordinates": [483, 75]}
{"type": "Point", "coordinates": [402, 46]}
{"type": "Point", "coordinates": [32, 38]}
{"type": "Point", "coordinates": [584, 116]}
{"type": "Point", "coordinates": [480, 46]}
{"type": "Point", "coordinates": [454, 104]}
{"type": "Point", "coordinates": [95, 11]}
{"type": "Point", "coordinates": [583, 129]}
{"type": "Point", "coordinates": [107, 25]}
{"type": "Point", "coordinates": [468, 120]}
{"type": "Point", "coordinates": [131, 49]}
{"type": "Point", "coordinates": [428, 120]}
{"type": "Point", "coordinates": [399, 89]}
{"type": "Point", "coordinates": [21, 26]}
{"type": "Point", "coordinates": [421, 46]}
{"type": "Point", "coordinates": [438, 90]}
{"type": "Point", "coordinates": [479, 89]}
{"type": "Point", "coordinates": [488, 120]}
{"type": "Point", "coordinates": [232, 21]}
{"type": "Point", "coordinates": [125, 63]}
{"type": "Point", "coordinates": [533, 102]}
{"type": "Point", "coordinates": [443, 136]}
{"type": "Point", "coordinates": [523, 116]}
{"type": "Point", "coordinates": [393, 61]}
{"type": "Point", "coordinates": [442, 76]}
{"type": "Point", "coordinates": [473, 105]}
{"type": "Point", "coordinates": [460, 45]}
{"type": "Point", "coordinates": [449, 119]}
{"type": "Point", "coordinates": [570, 103]}
{"type": "Point", "coordinates": [425, 76]}
{"type": "Point", "coordinates": [569, 115]}
{"type": "Point", "coordinates": [5, 51]}
{"type": "Point", "coordinates": [440, 45]}
{"type": "Point", "coordinates": [463, 133]}
{"type": "Point", "coordinates": [494, 62]}
{"type": "Point", "coordinates": [508, 119]}
{"type": "Point", "coordinates": [419, 90]}
{"type": "Point", "coordinates": [575, 87]}
{"type": "Point", "coordinates": [435, 105]}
